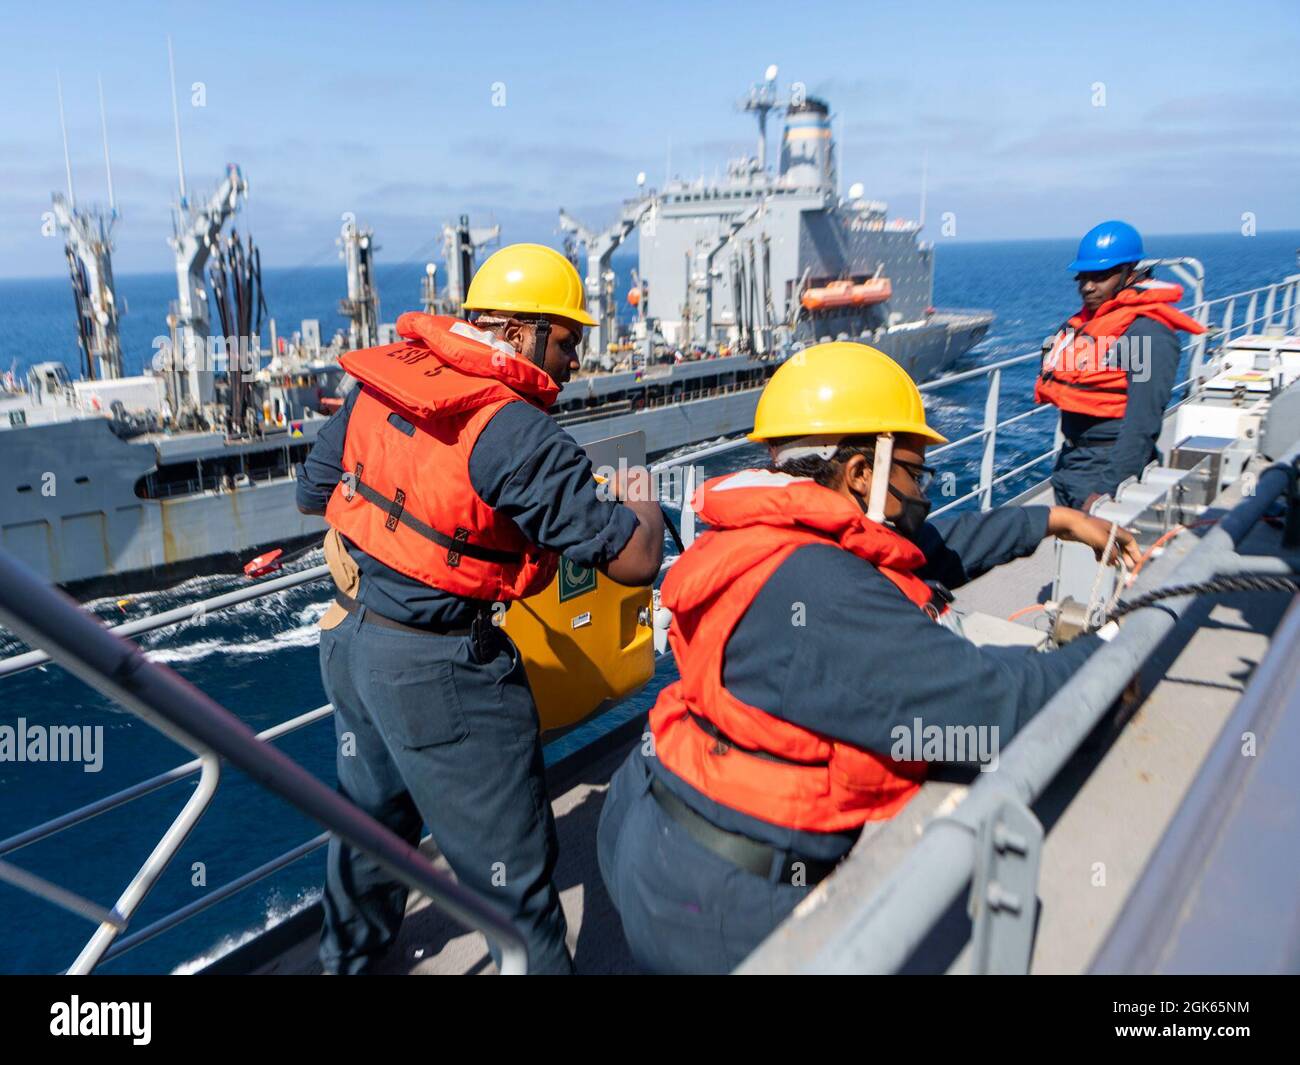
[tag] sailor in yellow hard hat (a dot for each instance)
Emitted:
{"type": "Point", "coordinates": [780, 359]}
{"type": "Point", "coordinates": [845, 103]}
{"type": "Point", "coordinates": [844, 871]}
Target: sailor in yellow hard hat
{"type": "Point", "coordinates": [804, 629]}
{"type": "Point", "coordinates": [450, 492]}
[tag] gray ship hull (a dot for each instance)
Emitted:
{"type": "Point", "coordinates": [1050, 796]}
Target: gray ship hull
{"type": "Point", "coordinates": [924, 351]}
{"type": "Point", "coordinates": [73, 511]}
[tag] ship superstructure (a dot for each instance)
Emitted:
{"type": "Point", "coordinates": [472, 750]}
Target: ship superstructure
{"type": "Point", "coordinates": [772, 256]}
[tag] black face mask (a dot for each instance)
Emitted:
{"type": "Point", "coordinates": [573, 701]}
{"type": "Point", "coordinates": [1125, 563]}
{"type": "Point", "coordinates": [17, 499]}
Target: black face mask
{"type": "Point", "coordinates": [915, 510]}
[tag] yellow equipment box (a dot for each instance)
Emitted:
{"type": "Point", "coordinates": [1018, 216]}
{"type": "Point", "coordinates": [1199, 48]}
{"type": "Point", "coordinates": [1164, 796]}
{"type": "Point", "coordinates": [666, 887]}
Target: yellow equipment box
{"type": "Point", "coordinates": [587, 641]}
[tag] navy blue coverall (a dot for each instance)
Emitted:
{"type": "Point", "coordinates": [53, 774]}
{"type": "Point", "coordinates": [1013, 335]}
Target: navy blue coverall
{"type": "Point", "coordinates": [430, 734]}
{"type": "Point", "coordinates": [1098, 453]}
{"type": "Point", "coordinates": [867, 660]}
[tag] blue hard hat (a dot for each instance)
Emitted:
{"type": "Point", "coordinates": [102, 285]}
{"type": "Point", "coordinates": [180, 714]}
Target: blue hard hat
{"type": "Point", "coordinates": [1107, 245]}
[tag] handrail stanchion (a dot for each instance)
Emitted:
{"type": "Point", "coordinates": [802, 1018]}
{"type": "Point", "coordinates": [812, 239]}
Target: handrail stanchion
{"type": "Point", "coordinates": [180, 615]}
{"type": "Point", "coordinates": [990, 440]}
{"type": "Point", "coordinates": [144, 880]}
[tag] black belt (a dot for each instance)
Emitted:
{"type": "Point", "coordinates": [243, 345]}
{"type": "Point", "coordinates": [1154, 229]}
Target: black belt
{"type": "Point", "coordinates": [750, 855]}
{"type": "Point", "coordinates": [371, 618]}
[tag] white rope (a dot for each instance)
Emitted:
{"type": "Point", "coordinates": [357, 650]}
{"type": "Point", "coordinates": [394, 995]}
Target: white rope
{"type": "Point", "coordinates": [1097, 612]}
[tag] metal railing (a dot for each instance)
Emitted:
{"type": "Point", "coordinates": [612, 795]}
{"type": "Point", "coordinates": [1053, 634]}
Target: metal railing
{"type": "Point", "coordinates": [613, 410]}
{"type": "Point", "coordinates": [221, 483]}
{"type": "Point", "coordinates": [43, 617]}
{"type": "Point", "coordinates": [1280, 308]}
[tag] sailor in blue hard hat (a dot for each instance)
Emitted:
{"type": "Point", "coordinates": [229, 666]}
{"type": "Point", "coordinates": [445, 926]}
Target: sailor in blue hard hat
{"type": "Point", "coordinates": [1111, 366]}
{"type": "Point", "coordinates": [1103, 249]}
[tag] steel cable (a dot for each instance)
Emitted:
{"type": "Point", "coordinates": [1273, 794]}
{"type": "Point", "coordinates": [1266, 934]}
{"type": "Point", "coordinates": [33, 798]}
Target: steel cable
{"type": "Point", "coordinates": [1238, 582]}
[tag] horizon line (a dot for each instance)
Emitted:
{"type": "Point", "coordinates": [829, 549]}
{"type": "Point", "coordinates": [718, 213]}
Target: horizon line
{"type": "Point", "coordinates": [935, 244]}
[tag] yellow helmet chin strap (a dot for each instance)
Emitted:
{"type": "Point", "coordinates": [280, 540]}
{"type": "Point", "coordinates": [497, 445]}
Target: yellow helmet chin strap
{"type": "Point", "coordinates": [880, 476]}
{"type": "Point", "coordinates": [541, 330]}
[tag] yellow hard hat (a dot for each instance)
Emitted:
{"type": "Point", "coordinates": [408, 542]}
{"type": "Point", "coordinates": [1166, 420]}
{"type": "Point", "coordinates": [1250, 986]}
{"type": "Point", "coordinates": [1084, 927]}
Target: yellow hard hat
{"type": "Point", "coordinates": [529, 279]}
{"type": "Point", "coordinates": [840, 388]}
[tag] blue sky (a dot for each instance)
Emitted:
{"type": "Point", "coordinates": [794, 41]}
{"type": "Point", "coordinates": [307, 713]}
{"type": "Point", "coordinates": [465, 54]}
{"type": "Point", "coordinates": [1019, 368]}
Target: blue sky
{"type": "Point", "coordinates": [386, 110]}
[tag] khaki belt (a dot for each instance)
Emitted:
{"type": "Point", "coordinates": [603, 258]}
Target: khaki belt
{"type": "Point", "coordinates": [371, 618]}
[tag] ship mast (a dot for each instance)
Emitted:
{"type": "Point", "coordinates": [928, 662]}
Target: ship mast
{"type": "Point", "coordinates": [88, 245]}
{"type": "Point", "coordinates": [196, 230]}
{"type": "Point", "coordinates": [760, 102]}
{"type": "Point", "coordinates": [429, 288]}
{"type": "Point", "coordinates": [361, 307]}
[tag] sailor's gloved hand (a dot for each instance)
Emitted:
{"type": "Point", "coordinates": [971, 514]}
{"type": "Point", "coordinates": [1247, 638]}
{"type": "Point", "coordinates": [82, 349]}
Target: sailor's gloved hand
{"type": "Point", "coordinates": [1067, 524]}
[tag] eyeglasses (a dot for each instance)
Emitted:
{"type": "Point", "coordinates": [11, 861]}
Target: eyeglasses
{"type": "Point", "coordinates": [1098, 275]}
{"type": "Point", "coordinates": [920, 473]}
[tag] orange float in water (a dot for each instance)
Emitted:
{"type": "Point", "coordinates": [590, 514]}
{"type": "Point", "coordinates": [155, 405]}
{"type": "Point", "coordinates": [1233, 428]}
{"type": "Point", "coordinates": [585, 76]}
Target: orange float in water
{"type": "Point", "coordinates": [264, 564]}
{"type": "Point", "coordinates": [848, 294]}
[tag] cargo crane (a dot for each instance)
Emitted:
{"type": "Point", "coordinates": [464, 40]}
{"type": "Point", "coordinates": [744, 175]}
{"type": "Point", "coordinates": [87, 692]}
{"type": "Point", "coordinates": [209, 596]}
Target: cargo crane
{"type": "Point", "coordinates": [599, 282]}
{"type": "Point", "coordinates": [88, 244]}
{"type": "Point", "coordinates": [195, 233]}
{"type": "Point", "coordinates": [461, 244]}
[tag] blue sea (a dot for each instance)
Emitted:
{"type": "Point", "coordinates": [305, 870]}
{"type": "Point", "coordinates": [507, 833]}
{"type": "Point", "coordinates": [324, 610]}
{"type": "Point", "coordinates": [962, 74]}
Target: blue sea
{"type": "Point", "coordinates": [260, 660]}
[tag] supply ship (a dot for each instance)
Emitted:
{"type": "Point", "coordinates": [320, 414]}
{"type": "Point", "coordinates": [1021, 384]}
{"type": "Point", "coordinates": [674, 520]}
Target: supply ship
{"type": "Point", "coordinates": [117, 483]}
{"type": "Point", "coordinates": [1144, 821]}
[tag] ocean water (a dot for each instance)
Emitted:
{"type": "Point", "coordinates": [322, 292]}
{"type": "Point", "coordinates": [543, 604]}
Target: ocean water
{"type": "Point", "coordinates": [259, 660]}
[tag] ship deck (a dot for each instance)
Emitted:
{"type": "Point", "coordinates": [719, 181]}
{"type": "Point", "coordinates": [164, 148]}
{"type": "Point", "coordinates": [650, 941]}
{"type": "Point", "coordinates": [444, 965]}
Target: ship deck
{"type": "Point", "coordinates": [1103, 815]}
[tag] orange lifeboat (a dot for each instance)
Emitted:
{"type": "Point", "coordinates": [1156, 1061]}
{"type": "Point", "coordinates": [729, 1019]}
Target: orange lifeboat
{"type": "Point", "coordinates": [848, 294]}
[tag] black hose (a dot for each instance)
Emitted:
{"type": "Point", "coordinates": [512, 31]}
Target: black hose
{"type": "Point", "coordinates": [1240, 582]}
{"type": "Point", "coordinates": [261, 289]}
{"type": "Point", "coordinates": [672, 530]}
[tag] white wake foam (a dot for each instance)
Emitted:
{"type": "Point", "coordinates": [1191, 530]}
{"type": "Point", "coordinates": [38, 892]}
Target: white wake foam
{"type": "Point", "coordinates": [278, 911]}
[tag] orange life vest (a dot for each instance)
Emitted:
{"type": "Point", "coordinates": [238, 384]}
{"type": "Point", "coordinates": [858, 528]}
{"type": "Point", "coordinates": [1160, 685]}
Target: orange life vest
{"type": "Point", "coordinates": [405, 497]}
{"type": "Point", "coordinates": [1077, 375]}
{"type": "Point", "coordinates": [736, 754]}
